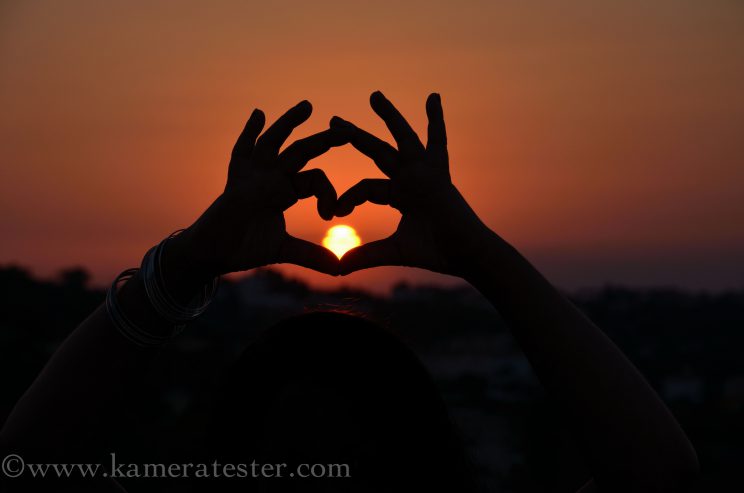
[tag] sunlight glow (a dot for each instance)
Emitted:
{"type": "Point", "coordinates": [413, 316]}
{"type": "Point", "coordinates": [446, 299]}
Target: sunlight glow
{"type": "Point", "coordinates": [340, 239]}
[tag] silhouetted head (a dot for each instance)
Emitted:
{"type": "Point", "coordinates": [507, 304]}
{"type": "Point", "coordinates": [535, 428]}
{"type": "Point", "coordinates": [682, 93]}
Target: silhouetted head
{"type": "Point", "coordinates": [329, 388]}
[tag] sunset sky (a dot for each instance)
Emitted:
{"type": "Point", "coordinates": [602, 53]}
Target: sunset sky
{"type": "Point", "coordinates": [605, 140]}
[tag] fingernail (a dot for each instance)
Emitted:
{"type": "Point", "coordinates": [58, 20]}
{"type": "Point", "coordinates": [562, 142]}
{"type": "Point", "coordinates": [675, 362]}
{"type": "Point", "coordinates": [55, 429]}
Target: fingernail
{"type": "Point", "coordinates": [340, 122]}
{"type": "Point", "coordinates": [341, 210]}
{"type": "Point", "coordinates": [257, 117]}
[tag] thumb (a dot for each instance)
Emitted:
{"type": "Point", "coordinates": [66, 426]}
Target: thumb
{"type": "Point", "coordinates": [307, 254]}
{"type": "Point", "coordinates": [374, 254]}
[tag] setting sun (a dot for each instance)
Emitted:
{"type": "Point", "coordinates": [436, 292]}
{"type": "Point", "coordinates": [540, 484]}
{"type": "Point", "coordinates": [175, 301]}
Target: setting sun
{"type": "Point", "coordinates": [340, 239]}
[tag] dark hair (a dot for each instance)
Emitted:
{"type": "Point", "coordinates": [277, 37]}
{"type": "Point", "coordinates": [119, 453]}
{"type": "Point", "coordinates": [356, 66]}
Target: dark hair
{"type": "Point", "coordinates": [404, 437]}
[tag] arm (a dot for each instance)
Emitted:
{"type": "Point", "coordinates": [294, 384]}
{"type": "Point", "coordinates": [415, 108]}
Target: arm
{"type": "Point", "coordinates": [630, 439]}
{"type": "Point", "coordinates": [68, 411]}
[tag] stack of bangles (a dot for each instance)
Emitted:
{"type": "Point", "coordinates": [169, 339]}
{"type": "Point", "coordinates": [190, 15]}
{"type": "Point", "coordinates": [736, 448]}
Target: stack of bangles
{"type": "Point", "coordinates": [163, 303]}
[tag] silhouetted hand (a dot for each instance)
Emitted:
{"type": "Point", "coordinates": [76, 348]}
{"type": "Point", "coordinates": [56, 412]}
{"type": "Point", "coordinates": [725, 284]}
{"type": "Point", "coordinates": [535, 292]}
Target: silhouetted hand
{"type": "Point", "coordinates": [244, 228]}
{"type": "Point", "coordinates": [438, 230]}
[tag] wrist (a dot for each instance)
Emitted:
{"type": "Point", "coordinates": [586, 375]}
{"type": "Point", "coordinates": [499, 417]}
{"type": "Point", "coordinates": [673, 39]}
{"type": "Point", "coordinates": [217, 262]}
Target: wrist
{"type": "Point", "coordinates": [474, 244]}
{"type": "Point", "coordinates": [183, 274]}
{"type": "Point", "coordinates": [132, 297]}
{"type": "Point", "coordinates": [485, 252]}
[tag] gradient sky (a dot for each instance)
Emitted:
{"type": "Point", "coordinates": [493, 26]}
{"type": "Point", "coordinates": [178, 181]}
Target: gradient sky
{"type": "Point", "coordinates": [603, 139]}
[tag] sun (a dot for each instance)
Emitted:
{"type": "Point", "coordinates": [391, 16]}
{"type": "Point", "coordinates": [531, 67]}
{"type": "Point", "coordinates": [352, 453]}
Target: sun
{"type": "Point", "coordinates": [340, 239]}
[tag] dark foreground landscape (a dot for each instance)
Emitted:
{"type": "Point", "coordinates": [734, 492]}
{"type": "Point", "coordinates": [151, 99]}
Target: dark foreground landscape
{"type": "Point", "coordinates": [689, 345]}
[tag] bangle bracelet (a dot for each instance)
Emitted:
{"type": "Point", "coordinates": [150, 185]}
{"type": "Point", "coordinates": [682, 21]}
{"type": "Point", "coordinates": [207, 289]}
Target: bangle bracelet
{"type": "Point", "coordinates": [161, 300]}
{"type": "Point", "coordinates": [126, 327]}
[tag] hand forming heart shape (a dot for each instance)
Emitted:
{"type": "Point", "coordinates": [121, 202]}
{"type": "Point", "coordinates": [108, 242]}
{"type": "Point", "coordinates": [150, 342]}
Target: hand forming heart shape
{"type": "Point", "coordinates": [245, 228]}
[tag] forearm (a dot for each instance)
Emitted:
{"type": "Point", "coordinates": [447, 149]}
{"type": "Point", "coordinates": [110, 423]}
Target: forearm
{"type": "Point", "coordinates": [71, 406]}
{"type": "Point", "coordinates": [628, 434]}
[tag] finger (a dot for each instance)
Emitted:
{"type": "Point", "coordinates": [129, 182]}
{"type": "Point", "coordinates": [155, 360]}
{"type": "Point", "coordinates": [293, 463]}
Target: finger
{"type": "Point", "coordinates": [402, 132]}
{"type": "Point", "coordinates": [373, 254]}
{"type": "Point", "coordinates": [308, 254]}
{"type": "Point", "coordinates": [314, 182]}
{"type": "Point", "coordinates": [436, 144]}
{"type": "Point", "coordinates": [296, 156]}
{"type": "Point", "coordinates": [372, 190]}
{"type": "Point", "coordinates": [383, 154]}
{"type": "Point", "coordinates": [270, 142]}
{"type": "Point", "coordinates": [244, 145]}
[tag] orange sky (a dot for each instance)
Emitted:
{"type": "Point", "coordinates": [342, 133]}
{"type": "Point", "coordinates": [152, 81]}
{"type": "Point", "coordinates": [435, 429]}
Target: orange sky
{"type": "Point", "coordinates": [603, 139]}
